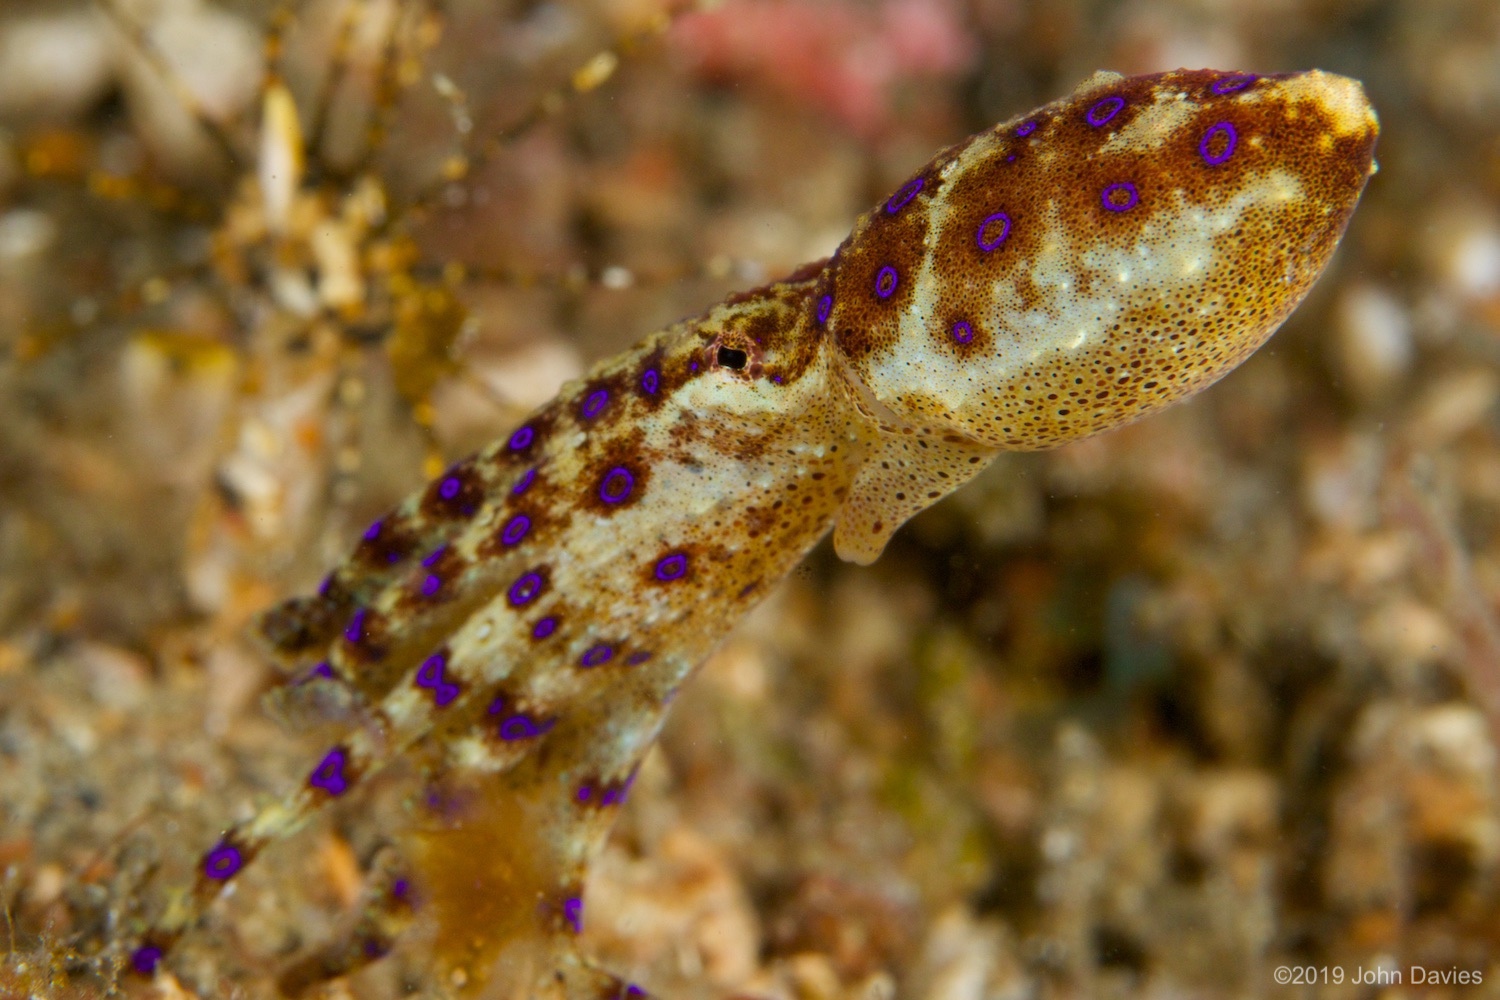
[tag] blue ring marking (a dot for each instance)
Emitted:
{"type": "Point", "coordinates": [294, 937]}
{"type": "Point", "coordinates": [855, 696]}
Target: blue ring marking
{"type": "Point", "coordinates": [595, 403]}
{"type": "Point", "coordinates": [637, 658]}
{"type": "Point", "coordinates": [988, 245]}
{"type": "Point", "coordinates": [650, 381]}
{"type": "Point", "coordinates": [1232, 83]}
{"type": "Point", "coordinates": [450, 487]}
{"type": "Point", "coordinates": [515, 529]}
{"type": "Point", "coordinates": [902, 198]}
{"type": "Point", "coordinates": [1105, 109]}
{"type": "Point", "coordinates": [963, 332]}
{"type": "Point", "coordinates": [373, 531]}
{"type": "Point", "coordinates": [323, 669]}
{"type": "Point", "coordinates": [223, 861]}
{"type": "Point", "coordinates": [145, 959]}
{"type": "Point", "coordinates": [597, 654]}
{"type": "Point", "coordinates": [544, 628]}
{"type": "Point", "coordinates": [329, 774]}
{"type": "Point", "coordinates": [616, 485]}
{"type": "Point", "coordinates": [1205, 144]}
{"type": "Point", "coordinates": [432, 585]}
{"type": "Point", "coordinates": [434, 555]}
{"type": "Point", "coordinates": [1026, 129]}
{"type": "Point", "coordinates": [573, 913]}
{"type": "Point", "coordinates": [1132, 195]}
{"type": "Point", "coordinates": [672, 567]}
{"type": "Point", "coordinates": [521, 438]}
{"type": "Point", "coordinates": [430, 673]}
{"type": "Point", "coordinates": [525, 483]}
{"type": "Point", "coordinates": [521, 726]}
{"type": "Point", "coordinates": [524, 590]}
{"type": "Point", "coordinates": [355, 630]}
{"type": "Point", "coordinates": [888, 278]}
{"type": "Point", "coordinates": [825, 306]}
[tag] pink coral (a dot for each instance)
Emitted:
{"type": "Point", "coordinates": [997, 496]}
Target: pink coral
{"type": "Point", "coordinates": [844, 57]}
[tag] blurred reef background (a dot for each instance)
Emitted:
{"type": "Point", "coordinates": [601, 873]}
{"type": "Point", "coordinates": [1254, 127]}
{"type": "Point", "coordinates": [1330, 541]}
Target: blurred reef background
{"type": "Point", "coordinates": [1149, 716]}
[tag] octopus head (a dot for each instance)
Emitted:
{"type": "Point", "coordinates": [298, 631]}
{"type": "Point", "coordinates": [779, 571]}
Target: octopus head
{"type": "Point", "coordinates": [1091, 262]}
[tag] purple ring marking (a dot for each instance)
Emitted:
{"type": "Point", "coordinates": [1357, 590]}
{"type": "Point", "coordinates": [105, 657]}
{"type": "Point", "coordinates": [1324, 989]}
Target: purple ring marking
{"type": "Point", "coordinates": [825, 306]}
{"type": "Point", "coordinates": [329, 774]}
{"type": "Point", "coordinates": [616, 485]}
{"type": "Point", "coordinates": [1026, 129]}
{"type": "Point", "coordinates": [637, 658]}
{"type": "Point", "coordinates": [1105, 109]}
{"type": "Point", "coordinates": [373, 531]}
{"type": "Point", "coordinates": [901, 198]}
{"type": "Point", "coordinates": [632, 990]}
{"type": "Point", "coordinates": [522, 727]}
{"type": "Point", "coordinates": [650, 381]}
{"type": "Point", "coordinates": [601, 653]}
{"type": "Point", "coordinates": [963, 332]}
{"type": "Point", "coordinates": [584, 791]}
{"type": "Point", "coordinates": [573, 913]}
{"type": "Point", "coordinates": [434, 555]}
{"type": "Point", "coordinates": [323, 669]}
{"type": "Point", "coordinates": [524, 590]}
{"type": "Point", "coordinates": [988, 245]}
{"type": "Point", "coordinates": [886, 280]}
{"type": "Point", "coordinates": [672, 567]}
{"type": "Point", "coordinates": [432, 585]}
{"type": "Point", "coordinates": [145, 959]}
{"type": "Point", "coordinates": [355, 631]}
{"type": "Point", "coordinates": [1205, 145]}
{"type": "Point", "coordinates": [450, 488]}
{"type": "Point", "coordinates": [515, 529]}
{"type": "Point", "coordinates": [525, 483]}
{"type": "Point", "coordinates": [223, 861]}
{"type": "Point", "coordinates": [544, 628]}
{"type": "Point", "coordinates": [521, 439]}
{"type": "Point", "coordinates": [430, 673]}
{"type": "Point", "coordinates": [1232, 83]}
{"type": "Point", "coordinates": [595, 403]}
{"type": "Point", "coordinates": [1132, 197]}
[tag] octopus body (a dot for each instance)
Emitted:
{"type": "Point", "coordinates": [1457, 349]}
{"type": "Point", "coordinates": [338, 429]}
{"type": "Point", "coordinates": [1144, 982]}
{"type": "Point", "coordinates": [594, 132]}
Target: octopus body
{"type": "Point", "coordinates": [526, 619]}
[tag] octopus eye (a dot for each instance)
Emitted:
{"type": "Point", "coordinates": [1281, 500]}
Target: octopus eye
{"type": "Point", "coordinates": [730, 358]}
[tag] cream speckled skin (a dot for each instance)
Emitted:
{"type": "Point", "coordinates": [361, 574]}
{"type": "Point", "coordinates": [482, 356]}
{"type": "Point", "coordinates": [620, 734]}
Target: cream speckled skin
{"type": "Point", "coordinates": [528, 617]}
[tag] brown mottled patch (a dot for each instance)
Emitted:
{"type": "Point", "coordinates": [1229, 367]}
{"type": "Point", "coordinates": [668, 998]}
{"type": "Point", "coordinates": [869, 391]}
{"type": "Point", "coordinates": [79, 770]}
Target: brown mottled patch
{"type": "Point", "coordinates": [393, 541]}
{"type": "Point", "coordinates": [862, 320]}
{"type": "Point", "coordinates": [616, 387]}
{"type": "Point", "coordinates": [302, 624]}
{"type": "Point", "coordinates": [457, 493]}
{"type": "Point", "coordinates": [541, 424]}
{"type": "Point", "coordinates": [444, 565]}
{"type": "Point", "coordinates": [648, 380]}
{"type": "Point", "coordinates": [623, 453]}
